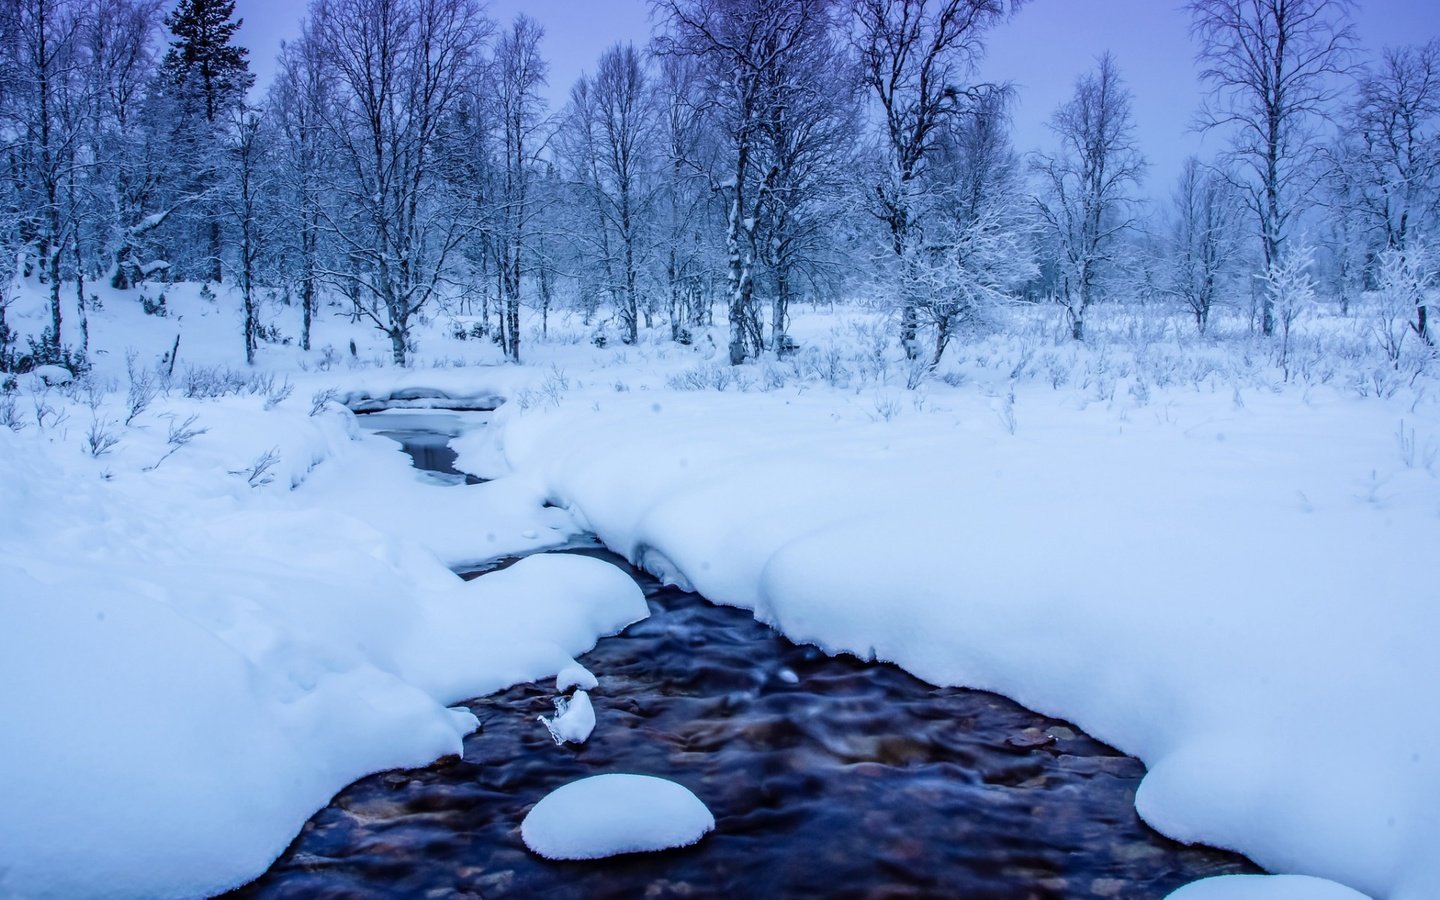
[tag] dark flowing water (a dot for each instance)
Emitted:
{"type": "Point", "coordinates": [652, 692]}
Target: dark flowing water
{"type": "Point", "coordinates": [828, 777]}
{"type": "Point", "coordinates": [426, 435]}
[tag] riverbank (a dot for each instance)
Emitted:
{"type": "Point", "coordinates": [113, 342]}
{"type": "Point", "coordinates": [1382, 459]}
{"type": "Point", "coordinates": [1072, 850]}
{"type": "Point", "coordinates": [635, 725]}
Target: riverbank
{"type": "Point", "coordinates": [1203, 560]}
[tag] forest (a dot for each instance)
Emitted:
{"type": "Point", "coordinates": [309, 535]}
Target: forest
{"type": "Point", "coordinates": [755, 156]}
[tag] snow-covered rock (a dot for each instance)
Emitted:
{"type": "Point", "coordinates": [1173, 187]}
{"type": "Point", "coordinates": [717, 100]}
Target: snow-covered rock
{"type": "Point", "coordinates": [1265, 887]}
{"type": "Point", "coordinates": [606, 815]}
{"type": "Point", "coordinates": [53, 375]}
{"type": "Point", "coordinates": [574, 719]}
{"type": "Point", "coordinates": [575, 675]}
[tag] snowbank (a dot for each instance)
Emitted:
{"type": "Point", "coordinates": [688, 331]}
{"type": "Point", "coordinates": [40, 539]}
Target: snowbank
{"type": "Point", "coordinates": [194, 660]}
{"type": "Point", "coordinates": [1228, 590]}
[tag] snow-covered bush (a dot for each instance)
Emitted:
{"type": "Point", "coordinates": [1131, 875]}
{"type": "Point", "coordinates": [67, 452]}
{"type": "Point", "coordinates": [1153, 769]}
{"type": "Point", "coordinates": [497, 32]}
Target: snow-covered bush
{"type": "Point", "coordinates": [1406, 283]}
{"type": "Point", "coordinates": [1291, 291]}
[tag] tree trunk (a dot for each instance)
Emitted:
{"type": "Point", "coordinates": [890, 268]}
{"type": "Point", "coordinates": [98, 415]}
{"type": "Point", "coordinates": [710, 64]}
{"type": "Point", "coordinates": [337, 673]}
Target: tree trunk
{"type": "Point", "coordinates": [780, 311]}
{"type": "Point", "coordinates": [397, 344]}
{"type": "Point", "coordinates": [215, 273]}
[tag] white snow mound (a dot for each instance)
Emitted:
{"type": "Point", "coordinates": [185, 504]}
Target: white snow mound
{"type": "Point", "coordinates": [575, 675]}
{"type": "Point", "coordinates": [606, 815]}
{"type": "Point", "coordinates": [574, 719]}
{"type": "Point", "coordinates": [1265, 887]}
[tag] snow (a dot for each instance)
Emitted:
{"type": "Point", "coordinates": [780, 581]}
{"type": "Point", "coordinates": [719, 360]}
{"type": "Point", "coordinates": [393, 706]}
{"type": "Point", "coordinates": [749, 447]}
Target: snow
{"type": "Point", "coordinates": [1265, 887]}
{"type": "Point", "coordinates": [194, 665]}
{"type": "Point", "coordinates": [1226, 591]}
{"type": "Point", "coordinates": [53, 375]}
{"type": "Point", "coordinates": [575, 675]}
{"type": "Point", "coordinates": [1209, 565]}
{"type": "Point", "coordinates": [574, 719]}
{"type": "Point", "coordinates": [607, 815]}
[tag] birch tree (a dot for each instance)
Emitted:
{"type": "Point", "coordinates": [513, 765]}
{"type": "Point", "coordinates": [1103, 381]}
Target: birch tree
{"type": "Point", "coordinates": [297, 102]}
{"type": "Point", "coordinates": [122, 62]}
{"type": "Point", "coordinates": [1274, 68]}
{"type": "Point", "coordinates": [916, 59]}
{"type": "Point", "coordinates": [741, 47]}
{"type": "Point", "coordinates": [1395, 124]}
{"type": "Point", "coordinates": [808, 147]}
{"type": "Point", "coordinates": [975, 248]}
{"type": "Point", "coordinates": [518, 74]}
{"type": "Point", "coordinates": [1087, 202]}
{"type": "Point", "coordinates": [1204, 250]}
{"type": "Point", "coordinates": [686, 213]}
{"type": "Point", "coordinates": [399, 66]}
{"type": "Point", "coordinates": [610, 140]}
{"type": "Point", "coordinates": [46, 48]}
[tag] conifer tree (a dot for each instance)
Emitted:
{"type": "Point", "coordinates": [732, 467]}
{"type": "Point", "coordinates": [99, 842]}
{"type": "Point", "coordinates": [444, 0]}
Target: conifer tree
{"type": "Point", "coordinates": [202, 64]}
{"type": "Point", "coordinates": [208, 76]}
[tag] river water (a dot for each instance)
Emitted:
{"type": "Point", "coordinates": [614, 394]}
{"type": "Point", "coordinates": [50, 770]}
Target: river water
{"type": "Point", "coordinates": [828, 777]}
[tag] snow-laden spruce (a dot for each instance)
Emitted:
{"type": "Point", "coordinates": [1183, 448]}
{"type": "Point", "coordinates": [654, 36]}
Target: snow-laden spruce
{"type": "Point", "coordinates": [607, 815]}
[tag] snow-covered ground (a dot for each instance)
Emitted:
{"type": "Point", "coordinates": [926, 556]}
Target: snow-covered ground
{"type": "Point", "coordinates": [1222, 571]}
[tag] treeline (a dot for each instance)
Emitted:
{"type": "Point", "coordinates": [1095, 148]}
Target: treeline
{"type": "Point", "coordinates": [755, 154]}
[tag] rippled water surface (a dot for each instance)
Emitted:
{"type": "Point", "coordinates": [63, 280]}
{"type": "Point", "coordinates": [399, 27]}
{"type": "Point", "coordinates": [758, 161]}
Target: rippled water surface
{"type": "Point", "coordinates": [828, 777]}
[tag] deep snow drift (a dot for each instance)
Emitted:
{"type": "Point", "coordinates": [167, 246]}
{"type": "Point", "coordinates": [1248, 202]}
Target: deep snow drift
{"type": "Point", "coordinates": [193, 665]}
{"type": "Point", "coordinates": [1225, 587]}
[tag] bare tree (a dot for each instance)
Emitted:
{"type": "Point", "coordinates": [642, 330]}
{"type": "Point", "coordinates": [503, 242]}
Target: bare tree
{"type": "Point", "coordinates": [1348, 237]}
{"type": "Point", "coordinates": [686, 214]}
{"type": "Point", "coordinates": [1273, 67]}
{"type": "Point", "coordinates": [610, 141]}
{"type": "Point", "coordinates": [1396, 124]}
{"type": "Point", "coordinates": [916, 57]}
{"type": "Point", "coordinates": [1204, 247]}
{"type": "Point", "coordinates": [122, 60]}
{"type": "Point", "coordinates": [518, 74]}
{"type": "Point", "coordinates": [46, 50]}
{"type": "Point", "coordinates": [974, 248]}
{"type": "Point", "coordinates": [808, 144]}
{"type": "Point", "coordinates": [1087, 202]}
{"type": "Point", "coordinates": [247, 181]}
{"type": "Point", "coordinates": [400, 66]}
{"type": "Point", "coordinates": [297, 101]}
{"type": "Point", "coordinates": [742, 47]}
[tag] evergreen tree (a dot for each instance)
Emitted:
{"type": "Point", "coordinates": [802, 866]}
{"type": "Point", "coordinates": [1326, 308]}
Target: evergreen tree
{"type": "Point", "coordinates": [206, 77]}
{"type": "Point", "coordinates": [202, 64]}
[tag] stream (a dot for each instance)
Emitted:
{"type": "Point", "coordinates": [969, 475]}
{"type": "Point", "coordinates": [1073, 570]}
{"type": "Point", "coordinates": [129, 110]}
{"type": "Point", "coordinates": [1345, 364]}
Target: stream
{"type": "Point", "coordinates": [828, 777]}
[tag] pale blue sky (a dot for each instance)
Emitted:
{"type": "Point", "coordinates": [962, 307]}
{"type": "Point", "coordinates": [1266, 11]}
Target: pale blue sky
{"type": "Point", "coordinates": [1042, 50]}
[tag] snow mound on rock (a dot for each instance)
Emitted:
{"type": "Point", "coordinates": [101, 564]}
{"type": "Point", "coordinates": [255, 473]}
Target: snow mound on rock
{"type": "Point", "coordinates": [574, 719]}
{"type": "Point", "coordinates": [1265, 887]}
{"type": "Point", "coordinates": [606, 815]}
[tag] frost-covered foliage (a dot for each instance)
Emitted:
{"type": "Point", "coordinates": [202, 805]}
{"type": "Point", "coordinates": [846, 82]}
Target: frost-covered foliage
{"type": "Point", "coordinates": [1408, 284]}
{"type": "Point", "coordinates": [1290, 290]}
